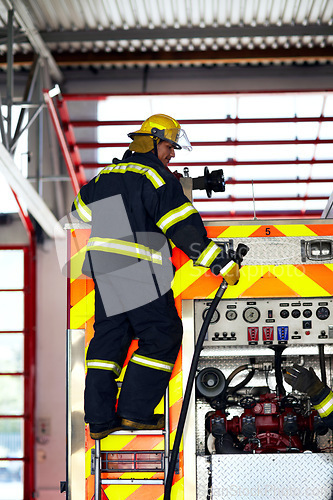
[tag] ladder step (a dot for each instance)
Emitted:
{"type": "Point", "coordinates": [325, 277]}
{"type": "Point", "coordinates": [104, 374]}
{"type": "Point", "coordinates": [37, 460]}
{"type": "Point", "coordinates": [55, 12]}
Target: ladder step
{"type": "Point", "coordinates": [132, 481]}
{"type": "Point", "coordinates": [147, 461]}
{"type": "Point", "coordinates": [139, 433]}
{"type": "Point", "coordinates": [135, 461]}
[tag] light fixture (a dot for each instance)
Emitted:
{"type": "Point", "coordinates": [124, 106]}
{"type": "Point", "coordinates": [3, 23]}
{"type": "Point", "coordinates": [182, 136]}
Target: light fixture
{"type": "Point", "coordinates": [320, 249]}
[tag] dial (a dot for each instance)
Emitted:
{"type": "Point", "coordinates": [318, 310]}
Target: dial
{"type": "Point", "coordinates": [284, 313]}
{"type": "Point", "coordinates": [307, 313]}
{"type": "Point", "coordinates": [215, 317]}
{"type": "Point", "coordinates": [322, 313]}
{"type": "Point", "coordinates": [251, 314]}
{"type": "Point", "coordinates": [231, 315]}
{"type": "Point", "coordinates": [295, 313]}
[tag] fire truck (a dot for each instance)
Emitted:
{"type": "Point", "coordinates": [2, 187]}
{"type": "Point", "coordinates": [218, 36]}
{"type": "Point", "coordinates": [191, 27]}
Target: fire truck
{"type": "Point", "coordinates": [247, 433]}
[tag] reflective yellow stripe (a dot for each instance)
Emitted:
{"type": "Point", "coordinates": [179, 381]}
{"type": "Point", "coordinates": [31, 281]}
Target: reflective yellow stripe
{"type": "Point", "coordinates": [228, 267]}
{"type": "Point", "coordinates": [156, 364]}
{"type": "Point", "coordinates": [102, 364]}
{"type": "Point", "coordinates": [76, 262]}
{"type": "Point", "coordinates": [208, 255]}
{"type": "Point", "coordinates": [82, 209]}
{"type": "Point", "coordinates": [124, 248]}
{"type": "Point", "coordinates": [122, 168]}
{"type": "Point", "coordinates": [325, 408]}
{"type": "Point", "coordinates": [176, 215]}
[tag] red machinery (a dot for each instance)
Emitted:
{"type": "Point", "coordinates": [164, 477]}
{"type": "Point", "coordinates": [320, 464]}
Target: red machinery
{"type": "Point", "coordinates": [270, 422]}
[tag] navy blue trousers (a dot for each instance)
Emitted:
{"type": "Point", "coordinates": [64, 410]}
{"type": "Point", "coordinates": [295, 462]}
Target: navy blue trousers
{"type": "Point", "coordinates": [159, 330]}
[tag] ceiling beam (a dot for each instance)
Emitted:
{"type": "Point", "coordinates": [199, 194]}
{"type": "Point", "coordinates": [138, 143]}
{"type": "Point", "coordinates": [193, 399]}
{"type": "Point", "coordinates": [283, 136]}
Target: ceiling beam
{"type": "Point", "coordinates": [299, 30]}
{"type": "Point", "coordinates": [105, 35]}
{"type": "Point", "coordinates": [165, 58]}
{"type": "Point", "coordinates": [208, 56]}
{"type": "Point", "coordinates": [25, 20]}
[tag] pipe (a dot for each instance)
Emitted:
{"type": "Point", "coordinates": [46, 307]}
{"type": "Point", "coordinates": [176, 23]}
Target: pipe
{"type": "Point", "coordinates": [278, 350]}
{"type": "Point", "coordinates": [97, 469]}
{"type": "Point", "coordinates": [235, 372]}
{"type": "Point", "coordinates": [243, 383]}
{"type": "Point", "coordinates": [322, 363]}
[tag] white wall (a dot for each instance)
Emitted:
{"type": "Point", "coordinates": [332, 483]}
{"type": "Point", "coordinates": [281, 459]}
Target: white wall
{"type": "Point", "coordinates": [50, 373]}
{"type": "Point", "coordinates": [13, 232]}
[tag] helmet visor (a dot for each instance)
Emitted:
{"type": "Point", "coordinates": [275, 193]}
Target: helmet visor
{"type": "Point", "coordinates": [176, 136]}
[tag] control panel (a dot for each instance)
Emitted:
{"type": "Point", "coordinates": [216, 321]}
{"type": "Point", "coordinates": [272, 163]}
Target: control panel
{"type": "Point", "coordinates": [275, 321]}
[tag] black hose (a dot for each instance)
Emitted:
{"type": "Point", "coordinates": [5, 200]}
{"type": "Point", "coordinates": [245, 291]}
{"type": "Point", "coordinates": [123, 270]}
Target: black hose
{"type": "Point", "coordinates": [235, 372]}
{"type": "Point", "coordinates": [278, 369]}
{"type": "Point", "coordinates": [188, 390]}
{"type": "Point", "coordinates": [322, 363]}
{"type": "Point", "coordinates": [243, 383]}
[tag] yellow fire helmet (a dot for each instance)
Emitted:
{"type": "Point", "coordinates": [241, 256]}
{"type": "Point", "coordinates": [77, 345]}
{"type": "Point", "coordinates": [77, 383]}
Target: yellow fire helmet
{"type": "Point", "coordinates": [156, 128]}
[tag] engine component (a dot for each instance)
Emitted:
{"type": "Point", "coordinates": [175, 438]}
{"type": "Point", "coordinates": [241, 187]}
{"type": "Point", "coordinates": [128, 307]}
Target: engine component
{"type": "Point", "coordinates": [249, 426]}
{"type": "Point", "coordinates": [269, 424]}
{"type": "Point", "coordinates": [210, 383]}
{"type": "Point", "coordinates": [267, 322]}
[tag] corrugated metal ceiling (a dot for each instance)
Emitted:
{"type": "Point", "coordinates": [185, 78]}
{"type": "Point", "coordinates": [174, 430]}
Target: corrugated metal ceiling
{"type": "Point", "coordinates": [140, 32]}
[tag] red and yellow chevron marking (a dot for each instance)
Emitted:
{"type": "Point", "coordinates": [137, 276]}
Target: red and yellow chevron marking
{"type": "Point", "coordinates": [191, 282]}
{"type": "Point", "coordinates": [251, 231]}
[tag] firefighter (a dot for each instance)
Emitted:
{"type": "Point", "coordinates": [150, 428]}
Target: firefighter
{"type": "Point", "coordinates": [136, 207]}
{"type": "Point", "coordinates": [321, 396]}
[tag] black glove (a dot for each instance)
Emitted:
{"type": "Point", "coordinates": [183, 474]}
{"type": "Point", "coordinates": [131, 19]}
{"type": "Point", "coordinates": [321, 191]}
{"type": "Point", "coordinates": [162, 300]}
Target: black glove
{"type": "Point", "coordinates": [303, 380]}
{"type": "Point", "coordinates": [238, 255]}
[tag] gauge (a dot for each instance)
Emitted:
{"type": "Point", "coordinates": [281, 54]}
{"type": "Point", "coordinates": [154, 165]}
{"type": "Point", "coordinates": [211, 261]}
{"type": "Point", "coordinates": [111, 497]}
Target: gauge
{"type": "Point", "coordinates": [284, 313]}
{"type": "Point", "coordinates": [322, 313]}
{"type": "Point", "coordinates": [215, 317]}
{"type": "Point", "coordinates": [231, 315]}
{"type": "Point", "coordinates": [307, 313]}
{"type": "Point", "coordinates": [251, 314]}
{"type": "Point", "coordinates": [295, 313]}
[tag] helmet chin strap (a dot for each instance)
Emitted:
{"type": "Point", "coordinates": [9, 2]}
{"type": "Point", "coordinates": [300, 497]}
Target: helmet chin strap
{"type": "Point", "coordinates": [155, 140]}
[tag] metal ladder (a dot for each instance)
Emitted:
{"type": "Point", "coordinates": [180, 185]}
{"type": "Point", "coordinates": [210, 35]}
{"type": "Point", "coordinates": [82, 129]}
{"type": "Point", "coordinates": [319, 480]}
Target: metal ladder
{"type": "Point", "coordinates": [97, 459]}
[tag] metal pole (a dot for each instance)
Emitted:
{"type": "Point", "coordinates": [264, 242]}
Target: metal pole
{"type": "Point", "coordinates": [2, 127]}
{"type": "Point", "coordinates": [54, 156]}
{"type": "Point", "coordinates": [97, 469]}
{"type": "Point", "coordinates": [40, 136]}
{"type": "Point", "coordinates": [167, 433]}
{"type": "Point", "coordinates": [10, 73]}
{"type": "Point", "coordinates": [27, 126]}
{"type": "Point", "coordinates": [62, 142]}
{"type": "Point", "coordinates": [75, 444]}
{"type": "Point", "coordinates": [27, 97]}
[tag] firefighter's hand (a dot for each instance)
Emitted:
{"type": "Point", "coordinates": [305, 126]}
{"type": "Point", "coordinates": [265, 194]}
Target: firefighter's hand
{"type": "Point", "coordinates": [303, 380]}
{"type": "Point", "coordinates": [230, 273]}
{"type": "Point", "coordinates": [240, 253]}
